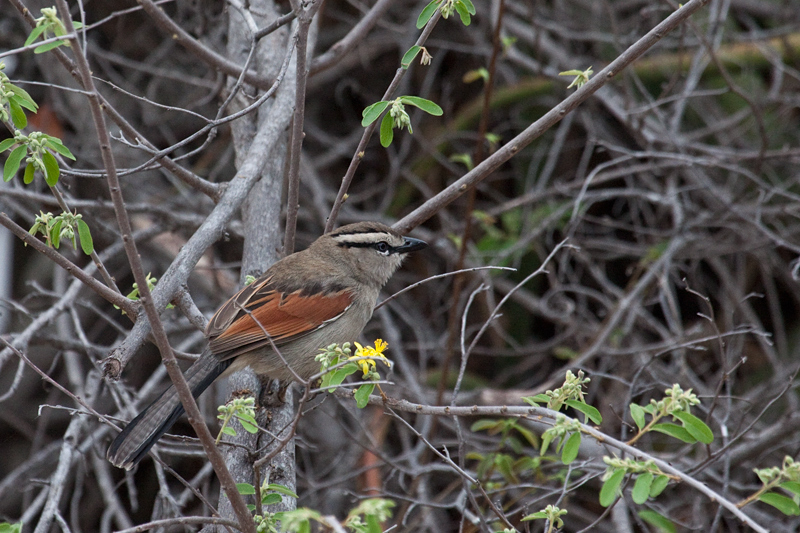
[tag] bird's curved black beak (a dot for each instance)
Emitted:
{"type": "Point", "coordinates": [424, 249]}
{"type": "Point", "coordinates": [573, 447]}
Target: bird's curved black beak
{"type": "Point", "coordinates": [410, 245]}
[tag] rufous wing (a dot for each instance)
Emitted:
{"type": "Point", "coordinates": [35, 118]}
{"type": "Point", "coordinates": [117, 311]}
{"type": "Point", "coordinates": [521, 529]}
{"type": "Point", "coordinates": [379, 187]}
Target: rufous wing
{"type": "Point", "coordinates": [259, 308]}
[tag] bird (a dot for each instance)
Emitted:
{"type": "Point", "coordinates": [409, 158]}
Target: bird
{"type": "Point", "coordinates": [307, 301]}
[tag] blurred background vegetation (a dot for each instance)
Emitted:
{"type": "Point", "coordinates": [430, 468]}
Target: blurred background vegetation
{"type": "Point", "coordinates": [677, 185]}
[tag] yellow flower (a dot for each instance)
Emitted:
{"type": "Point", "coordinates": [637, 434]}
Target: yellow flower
{"type": "Point", "coordinates": [368, 365]}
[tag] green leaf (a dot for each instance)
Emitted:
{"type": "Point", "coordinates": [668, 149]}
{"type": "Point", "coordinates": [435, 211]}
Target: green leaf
{"type": "Point", "coordinates": [5, 144]}
{"type": "Point", "coordinates": [611, 487]}
{"type": "Point", "coordinates": [55, 233]}
{"type": "Point", "coordinates": [17, 114]}
{"type": "Point", "coordinates": [283, 490]}
{"type": "Point", "coordinates": [674, 430]}
{"type": "Point", "coordinates": [337, 376]}
{"type": "Point", "coordinates": [791, 486]}
{"type": "Point", "coordinates": [387, 133]}
{"type": "Point", "coordinates": [52, 171]}
{"type": "Point", "coordinates": [55, 144]}
{"type": "Point", "coordinates": [12, 163]}
{"type": "Point", "coordinates": [637, 414]}
{"type": "Point", "coordinates": [245, 488]}
{"type": "Point", "coordinates": [27, 177]}
{"type": "Point", "coordinates": [784, 504]}
{"type": "Point", "coordinates": [409, 56]}
{"type": "Point", "coordinates": [535, 516]}
{"type": "Point", "coordinates": [506, 467]}
{"type": "Point", "coordinates": [469, 5]}
{"type": "Point", "coordinates": [271, 499]}
{"type": "Point", "coordinates": [658, 486]}
{"type": "Point", "coordinates": [547, 438]}
{"type": "Point", "coordinates": [571, 448]}
{"type": "Point", "coordinates": [427, 13]}
{"type": "Point", "coordinates": [696, 427]}
{"type": "Point", "coordinates": [529, 436]}
{"type": "Point", "coordinates": [87, 244]}
{"type": "Point", "coordinates": [5, 527]}
{"type": "Point", "coordinates": [35, 33]}
{"type": "Point", "coordinates": [362, 394]}
{"type": "Point", "coordinates": [227, 430]}
{"type": "Point", "coordinates": [463, 12]}
{"type": "Point", "coordinates": [250, 428]}
{"type": "Point", "coordinates": [590, 411]}
{"type": "Point", "coordinates": [661, 523]}
{"type": "Point", "coordinates": [426, 105]}
{"type": "Point", "coordinates": [536, 400]}
{"type": "Point", "coordinates": [641, 489]}
{"type": "Point", "coordinates": [373, 525]}
{"type": "Point", "coordinates": [47, 47]}
{"type": "Point", "coordinates": [484, 424]}
{"type": "Point", "coordinates": [372, 112]}
{"type": "Point", "coordinates": [23, 98]}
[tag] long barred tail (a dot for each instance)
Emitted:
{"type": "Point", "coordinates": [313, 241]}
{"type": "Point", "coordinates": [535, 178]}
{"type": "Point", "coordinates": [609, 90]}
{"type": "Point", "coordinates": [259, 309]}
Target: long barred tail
{"type": "Point", "coordinates": [133, 443]}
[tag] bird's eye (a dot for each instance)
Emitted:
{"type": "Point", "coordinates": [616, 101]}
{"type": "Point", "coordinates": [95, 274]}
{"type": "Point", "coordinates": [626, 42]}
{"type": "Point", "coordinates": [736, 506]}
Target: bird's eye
{"type": "Point", "coordinates": [383, 248]}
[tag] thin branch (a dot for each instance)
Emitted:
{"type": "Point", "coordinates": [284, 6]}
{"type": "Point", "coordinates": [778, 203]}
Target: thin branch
{"type": "Point", "coordinates": [184, 393]}
{"type": "Point", "coordinates": [532, 132]}
{"type": "Point", "coordinates": [362, 144]}
{"type": "Point", "coordinates": [202, 52]}
{"type": "Point", "coordinates": [547, 416]}
{"type": "Point", "coordinates": [130, 307]}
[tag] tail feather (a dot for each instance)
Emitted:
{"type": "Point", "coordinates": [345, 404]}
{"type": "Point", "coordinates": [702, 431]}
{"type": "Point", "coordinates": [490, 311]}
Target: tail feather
{"type": "Point", "coordinates": [133, 443]}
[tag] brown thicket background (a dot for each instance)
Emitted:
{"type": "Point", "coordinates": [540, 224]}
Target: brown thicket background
{"type": "Point", "coordinates": [676, 185]}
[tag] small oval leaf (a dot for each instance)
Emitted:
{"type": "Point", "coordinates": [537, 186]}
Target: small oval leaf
{"type": "Point", "coordinates": [55, 233]}
{"type": "Point", "coordinates": [55, 144]}
{"type": "Point", "coordinates": [608, 493]}
{"type": "Point", "coordinates": [791, 486]}
{"type": "Point", "coordinates": [661, 523]}
{"type": "Point", "coordinates": [463, 12]}
{"type": "Point", "coordinates": [17, 114]}
{"type": "Point", "coordinates": [387, 131]}
{"type": "Point", "coordinates": [245, 488]}
{"type": "Point", "coordinates": [784, 504]}
{"type": "Point", "coordinates": [282, 489]}
{"type": "Point", "coordinates": [641, 489]}
{"type": "Point", "coordinates": [362, 394]}
{"type": "Point", "coordinates": [571, 448]}
{"type": "Point", "coordinates": [658, 485]}
{"type": "Point", "coordinates": [535, 400]}
{"type": "Point", "coordinates": [271, 499]}
{"type": "Point", "coordinates": [547, 438]}
{"type": "Point", "coordinates": [372, 112]}
{"type": "Point", "coordinates": [426, 105]}
{"type": "Point", "coordinates": [5, 144]}
{"type": "Point", "coordinates": [52, 172]}
{"type": "Point", "coordinates": [248, 427]}
{"type": "Point", "coordinates": [637, 414]}
{"type": "Point", "coordinates": [23, 98]}
{"type": "Point", "coordinates": [12, 163]}
{"type": "Point", "coordinates": [47, 47]}
{"type": "Point", "coordinates": [674, 430]}
{"type": "Point", "coordinates": [27, 177]}
{"type": "Point", "coordinates": [590, 411]}
{"type": "Point", "coordinates": [696, 427]}
{"type": "Point", "coordinates": [427, 13]}
{"type": "Point", "coordinates": [409, 56]}
{"type": "Point", "coordinates": [36, 32]}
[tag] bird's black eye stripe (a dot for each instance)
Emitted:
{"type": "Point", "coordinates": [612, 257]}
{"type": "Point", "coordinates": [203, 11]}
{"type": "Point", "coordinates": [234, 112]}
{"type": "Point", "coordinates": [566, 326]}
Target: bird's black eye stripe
{"type": "Point", "coordinates": [381, 246]}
